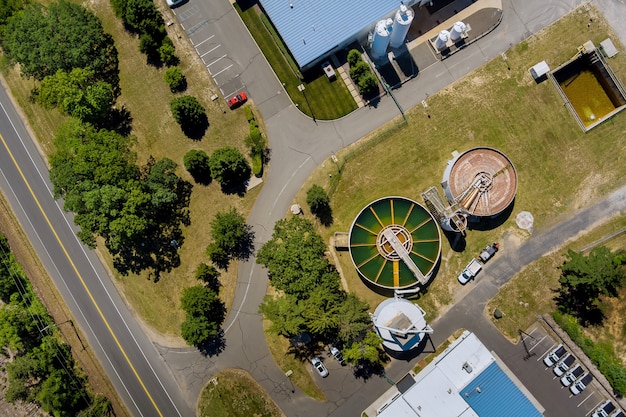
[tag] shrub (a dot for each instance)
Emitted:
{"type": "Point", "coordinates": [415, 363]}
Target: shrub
{"type": "Point", "coordinates": [368, 84]}
{"type": "Point", "coordinates": [358, 70]}
{"type": "Point", "coordinates": [354, 56]}
{"type": "Point", "coordinates": [167, 52]}
{"type": "Point", "coordinates": [198, 165]}
{"type": "Point", "coordinates": [249, 114]}
{"type": "Point", "coordinates": [257, 164]}
{"type": "Point", "coordinates": [175, 78]}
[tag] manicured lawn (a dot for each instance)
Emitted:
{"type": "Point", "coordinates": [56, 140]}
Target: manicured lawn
{"type": "Point", "coordinates": [325, 100]}
{"type": "Point", "coordinates": [560, 168]}
{"type": "Point", "coordinates": [236, 394]}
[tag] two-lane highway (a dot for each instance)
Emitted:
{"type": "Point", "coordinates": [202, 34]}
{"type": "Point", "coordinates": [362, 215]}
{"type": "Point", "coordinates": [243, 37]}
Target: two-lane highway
{"type": "Point", "coordinates": [131, 361]}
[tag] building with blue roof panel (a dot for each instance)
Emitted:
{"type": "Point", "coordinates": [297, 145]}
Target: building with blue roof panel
{"type": "Point", "coordinates": [465, 380]}
{"type": "Point", "coordinates": [493, 394]}
{"type": "Point", "coordinates": [312, 29]}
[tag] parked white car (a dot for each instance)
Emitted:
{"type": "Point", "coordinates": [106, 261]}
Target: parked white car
{"type": "Point", "coordinates": [319, 367]}
{"type": "Point", "coordinates": [564, 364]}
{"type": "Point", "coordinates": [554, 356]}
{"type": "Point", "coordinates": [580, 385]}
{"type": "Point", "coordinates": [604, 410]}
{"type": "Point", "coordinates": [572, 375]}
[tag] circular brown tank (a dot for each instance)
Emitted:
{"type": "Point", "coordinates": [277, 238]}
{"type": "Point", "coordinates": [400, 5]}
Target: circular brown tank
{"type": "Point", "coordinates": [483, 181]}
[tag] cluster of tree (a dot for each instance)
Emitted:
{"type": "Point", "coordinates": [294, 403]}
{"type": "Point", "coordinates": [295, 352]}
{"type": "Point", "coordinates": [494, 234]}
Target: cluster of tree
{"type": "Point", "coordinates": [33, 36]}
{"type": "Point", "coordinates": [143, 18]}
{"type": "Point", "coordinates": [40, 367]}
{"type": "Point", "coordinates": [585, 279]}
{"type": "Point", "coordinates": [204, 311]}
{"type": "Point", "coordinates": [362, 74]}
{"type": "Point", "coordinates": [319, 203]}
{"type": "Point", "coordinates": [232, 238]}
{"type": "Point", "coordinates": [137, 210]}
{"type": "Point", "coordinates": [311, 299]}
{"type": "Point", "coordinates": [255, 143]}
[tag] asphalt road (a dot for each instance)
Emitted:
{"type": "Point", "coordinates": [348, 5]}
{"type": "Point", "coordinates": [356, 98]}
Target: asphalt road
{"type": "Point", "coordinates": [148, 382]}
{"type": "Point", "coordinates": [133, 364]}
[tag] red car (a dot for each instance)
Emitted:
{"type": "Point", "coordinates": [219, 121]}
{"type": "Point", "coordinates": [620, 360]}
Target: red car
{"type": "Point", "coordinates": [237, 100]}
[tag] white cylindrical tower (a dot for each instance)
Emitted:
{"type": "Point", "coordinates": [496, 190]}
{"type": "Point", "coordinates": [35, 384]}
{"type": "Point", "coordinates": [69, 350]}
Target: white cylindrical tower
{"type": "Point", "coordinates": [401, 24]}
{"type": "Point", "coordinates": [457, 31]}
{"type": "Point", "coordinates": [442, 40]}
{"type": "Point", "coordinates": [381, 38]}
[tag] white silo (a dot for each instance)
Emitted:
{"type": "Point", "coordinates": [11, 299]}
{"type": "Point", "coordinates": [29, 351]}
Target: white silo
{"type": "Point", "coordinates": [457, 31]}
{"type": "Point", "coordinates": [401, 24]}
{"type": "Point", "coordinates": [381, 38]}
{"type": "Point", "coordinates": [442, 40]}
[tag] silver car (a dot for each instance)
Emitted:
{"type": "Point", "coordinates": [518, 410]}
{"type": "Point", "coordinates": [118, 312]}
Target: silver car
{"type": "Point", "coordinates": [319, 367]}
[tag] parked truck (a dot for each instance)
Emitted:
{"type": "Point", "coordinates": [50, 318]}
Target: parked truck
{"type": "Point", "coordinates": [471, 270]}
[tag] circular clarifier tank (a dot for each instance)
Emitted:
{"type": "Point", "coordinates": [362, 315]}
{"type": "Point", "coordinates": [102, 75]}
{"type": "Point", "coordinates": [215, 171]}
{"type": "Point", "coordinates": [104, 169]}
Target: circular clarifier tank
{"type": "Point", "coordinates": [395, 243]}
{"type": "Point", "coordinates": [483, 181]}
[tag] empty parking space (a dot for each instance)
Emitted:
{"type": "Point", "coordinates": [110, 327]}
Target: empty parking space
{"type": "Point", "coordinates": [208, 43]}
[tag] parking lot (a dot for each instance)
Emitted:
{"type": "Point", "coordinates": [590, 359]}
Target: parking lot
{"type": "Point", "coordinates": [538, 343]}
{"type": "Point", "coordinates": [207, 40]}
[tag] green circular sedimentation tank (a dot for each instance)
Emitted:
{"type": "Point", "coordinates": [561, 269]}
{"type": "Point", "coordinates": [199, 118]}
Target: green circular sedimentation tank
{"type": "Point", "coordinates": [395, 243]}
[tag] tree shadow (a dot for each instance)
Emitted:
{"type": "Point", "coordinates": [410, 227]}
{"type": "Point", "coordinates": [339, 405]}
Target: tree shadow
{"type": "Point", "coordinates": [238, 188]}
{"type": "Point", "coordinates": [196, 131]}
{"type": "Point", "coordinates": [118, 120]}
{"type": "Point", "coordinates": [214, 346]}
{"type": "Point", "coordinates": [325, 215]}
{"type": "Point", "coordinates": [365, 370]}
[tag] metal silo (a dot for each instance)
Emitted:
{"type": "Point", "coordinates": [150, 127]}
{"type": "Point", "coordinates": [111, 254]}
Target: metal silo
{"type": "Point", "coordinates": [381, 38]}
{"type": "Point", "coordinates": [457, 31]}
{"type": "Point", "coordinates": [442, 40]}
{"type": "Point", "coordinates": [401, 24]}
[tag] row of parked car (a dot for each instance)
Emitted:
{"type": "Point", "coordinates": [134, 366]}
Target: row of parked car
{"type": "Point", "coordinates": [572, 374]}
{"type": "Point", "coordinates": [319, 365]}
{"type": "Point", "coordinates": [576, 378]}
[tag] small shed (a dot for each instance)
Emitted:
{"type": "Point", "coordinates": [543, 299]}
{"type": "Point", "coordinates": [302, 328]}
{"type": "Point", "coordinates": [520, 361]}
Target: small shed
{"type": "Point", "coordinates": [539, 70]}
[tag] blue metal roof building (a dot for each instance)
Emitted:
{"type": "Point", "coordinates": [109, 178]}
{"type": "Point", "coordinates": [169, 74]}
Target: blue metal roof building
{"type": "Point", "coordinates": [311, 29]}
{"type": "Point", "coordinates": [493, 394]}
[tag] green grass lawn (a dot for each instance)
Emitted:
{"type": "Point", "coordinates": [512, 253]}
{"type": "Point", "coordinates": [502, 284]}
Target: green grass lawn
{"type": "Point", "coordinates": [236, 394]}
{"type": "Point", "coordinates": [325, 100]}
{"type": "Point", "coordinates": [560, 168]}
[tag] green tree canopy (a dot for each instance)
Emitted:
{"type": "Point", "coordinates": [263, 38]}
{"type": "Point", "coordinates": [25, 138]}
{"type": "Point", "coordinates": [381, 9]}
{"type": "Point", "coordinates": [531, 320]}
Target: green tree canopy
{"type": "Point", "coordinates": [319, 203]}
{"type": "Point", "coordinates": [285, 313]}
{"type": "Point", "coordinates": [197, 162]}
{"type": "Point", "coordinates": [365, 351]}
{"type": "Point", "coordinates": [175, 78]}
{"type": "Point", "coordinates": [354, 319]}
{"type": "Point", "coordinates": [189, 114]}
{"type": "Point", "coordinates": [231, 236]}
{"type": "Point", "coordinates": [209, 276]}
{"type": "Point", "coordinates": [229, 167]}
{"type": "Point", "coordinates": [204, 314]}
{"type": "Point", "coordinates": [63, 36]}
{"type": "Point", "coordinates": [295, 260]}
{"type": "Point", "coordinates": [11, 276]}
{"type": "Point", "coordinates": [585, 278]}
{"type": "Point", "coordinates": [77, 94]}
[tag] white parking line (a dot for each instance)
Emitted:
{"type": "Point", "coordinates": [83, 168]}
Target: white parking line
{"type": "Point", "coordinates": [537, 344]}
{"type": "Point", "coordinates": [544, 353]}
{"type": "Point", "coordinates": [206, 40]}
{"type": "Point", "coordinates": [219, 72]}
{"type": "Point", "coordinates": [222, 57]}
{"type": "Point", "coordinates": [588, 396]}
{"type": "Point", "coordinates": [208, 52]}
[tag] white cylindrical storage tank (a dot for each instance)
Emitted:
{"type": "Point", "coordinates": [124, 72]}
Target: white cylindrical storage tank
{"type": "Point", "coordinates": [401, 25]}
{"type": "Point", "coordinates": [442, 40]}
{"type": "Point", "coordinates": [381, 39]}
{"type": "Point", "coordinates": [457, 31]}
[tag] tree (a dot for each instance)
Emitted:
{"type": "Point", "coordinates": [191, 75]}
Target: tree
{"type": "Point", "coordinates": [229, 167]}
{"type": "Point", "coordinates": [232, 238]}
{"type": "Point", "coordinates": [354, 56]}
{"type": "Point", "coordinates": [209, 276]}
{"type": "Point", "coordinates": [321, 311]}
{"type": "Point", "coordinates": [354, 319]}
{"type": "Point", "coordinates": [33, 37]}
{"type": "Point", "coordinates": [190, 115]}
{"type": "Point", "coordinates": [295, 259]}
{"type": "Point", "coordinates": [175, 78]}
{"type": "Point", "coordinates": [365, 351]}
{"type": "Point", "coordinates": [204, 314]}
{"type": "Point", "coordinates": [11, 276]}
{"type": "Point", "coordinates": [584, 278]}
{"type": "Point", "coordinates": [358, 70]}
{"type": "Point", "coordinates": [77, 94]}
{"type": "Point", "coordinates": [167, 52]}
{"type": "Point", "coordinates": [197, 162]}
{"type": "Point", "coordinates": [319, 203]}
{"type": "Point", "coordinates": [368, 84]}
{"type": "Point", "coordinates": [285, 313]}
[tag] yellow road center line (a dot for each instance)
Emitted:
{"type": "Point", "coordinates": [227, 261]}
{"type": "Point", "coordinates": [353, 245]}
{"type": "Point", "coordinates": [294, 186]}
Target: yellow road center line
{"type": "Point", "coordinates": [80, 277]}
